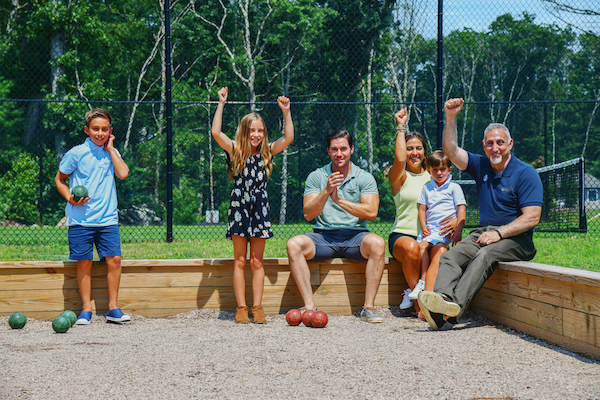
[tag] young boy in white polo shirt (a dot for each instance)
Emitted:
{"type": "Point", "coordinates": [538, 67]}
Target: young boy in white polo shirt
{"type": "Point", "coordinates": [93, 220]}
{"type": "Point", "coordinates": [440, 200]}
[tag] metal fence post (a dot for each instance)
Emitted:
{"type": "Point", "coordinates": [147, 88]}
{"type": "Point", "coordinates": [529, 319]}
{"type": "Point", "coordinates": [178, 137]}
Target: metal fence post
{"type": "Point", "coordinates": [440, 74]}
{"type": "Point", "coordinates": [582, 217]}
{"type": "Point", "coordinates": [169, 114]}
{"type": "Point", "coordinates": [40, 168]}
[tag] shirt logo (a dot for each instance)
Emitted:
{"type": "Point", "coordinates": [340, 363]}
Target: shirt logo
{"type": "Point", "coordinates": [485, 178]}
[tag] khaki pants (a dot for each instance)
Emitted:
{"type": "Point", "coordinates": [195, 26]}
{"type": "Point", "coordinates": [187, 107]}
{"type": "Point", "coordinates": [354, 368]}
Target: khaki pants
{"type": "Point", "coordinates": [465, 268]}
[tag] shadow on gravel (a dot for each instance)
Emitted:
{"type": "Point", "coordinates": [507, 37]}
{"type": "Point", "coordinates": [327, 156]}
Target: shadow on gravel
{"type": "Point", "coordinates": [400, 313]}
{"type": "Point", "coordinates": [226, 316]}
{"type": "Point", "coordinates": [468, 321]}
{"type": "Point", "coordinates": [472, 320]}
{"type": "Point", "coordinates": [540, 342]}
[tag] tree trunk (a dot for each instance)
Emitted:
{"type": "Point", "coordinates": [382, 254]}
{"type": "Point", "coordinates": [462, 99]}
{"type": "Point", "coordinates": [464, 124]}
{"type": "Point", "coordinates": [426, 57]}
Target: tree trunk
{"type": "Point", "coordinates": [200, 193]}
{"type": "Point", "coordinates": [57, 71]}
{"type": "Point", "coordinates": [591, 119]}
{"type": "Point", "coordinates": [210, 160]}
{"type": "Point", "coordinates": [554, 134]}
{"type": "Point", "coordinates": [159, 119]}
{"type": "Point", "coordinates": [285, 84]}
{"type": "Point", "coordinates": [368, 98]}
{"type": "Point", "coordinates": [284, 187]}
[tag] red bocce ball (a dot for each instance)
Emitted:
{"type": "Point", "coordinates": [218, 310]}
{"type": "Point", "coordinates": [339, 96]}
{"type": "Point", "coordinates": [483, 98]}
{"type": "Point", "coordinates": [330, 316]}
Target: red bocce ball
{"type": "Point", "coordinates": [319, 319]}
{"type": "Point", "coordinates": [293, 317]}
{"type": "Point", "coordinates": [307, 317]}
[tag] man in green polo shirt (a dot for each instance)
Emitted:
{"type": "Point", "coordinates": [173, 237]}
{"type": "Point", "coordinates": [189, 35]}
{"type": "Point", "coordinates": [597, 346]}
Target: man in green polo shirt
{"type": "Point", "coordinates": [341, 197]}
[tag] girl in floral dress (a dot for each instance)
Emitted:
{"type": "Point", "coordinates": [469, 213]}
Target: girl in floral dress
{"type": "Point", "coordinates": [250, 164]}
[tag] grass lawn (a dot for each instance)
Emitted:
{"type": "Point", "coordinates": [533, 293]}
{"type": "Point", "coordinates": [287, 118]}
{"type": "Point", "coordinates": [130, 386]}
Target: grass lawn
{"type": "Point", "coordinates": [25, 244]}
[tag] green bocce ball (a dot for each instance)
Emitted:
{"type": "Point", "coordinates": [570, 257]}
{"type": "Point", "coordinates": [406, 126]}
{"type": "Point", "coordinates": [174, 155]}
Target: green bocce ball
{"type": "Point", "coordinates": [70, 315]}
{"type": "Point", "coordinates": [79, 192]}
{"type": "Point", "coordinates": [61, 324]}
{"type": "Point", "coordinates": [17, 320]}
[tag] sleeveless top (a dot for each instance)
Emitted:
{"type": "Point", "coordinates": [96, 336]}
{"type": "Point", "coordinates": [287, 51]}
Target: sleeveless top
{"type": "Point", "coordinates": [407, 209]}
{"type": "Point", "coordinates": [248, 214]}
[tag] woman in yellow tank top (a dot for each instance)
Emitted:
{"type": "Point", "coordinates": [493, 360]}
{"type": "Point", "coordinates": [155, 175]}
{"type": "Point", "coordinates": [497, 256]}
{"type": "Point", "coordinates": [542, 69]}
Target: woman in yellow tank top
{"type": "Point", "coordinates": [407, 177]}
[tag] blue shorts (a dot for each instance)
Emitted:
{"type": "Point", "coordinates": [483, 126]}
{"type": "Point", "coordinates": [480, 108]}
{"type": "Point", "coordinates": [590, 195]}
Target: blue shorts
{"type": "Point", "coordinates": [83, 238]}
{"type": "Point", "coordinates": [337, 243]}
{"type": "Point", "coordinates": [395, 236]}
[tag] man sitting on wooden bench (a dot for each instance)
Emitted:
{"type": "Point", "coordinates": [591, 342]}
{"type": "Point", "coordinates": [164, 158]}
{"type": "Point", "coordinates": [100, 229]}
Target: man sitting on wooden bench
{"type": "Point", "coordinates": [510, 205]}
{"type": "Point", "coordinates": [341, 197]}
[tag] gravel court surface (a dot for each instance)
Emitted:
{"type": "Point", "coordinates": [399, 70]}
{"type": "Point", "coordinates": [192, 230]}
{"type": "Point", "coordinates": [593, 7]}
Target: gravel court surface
{"type": "Point", "coordinates": [204, 354]}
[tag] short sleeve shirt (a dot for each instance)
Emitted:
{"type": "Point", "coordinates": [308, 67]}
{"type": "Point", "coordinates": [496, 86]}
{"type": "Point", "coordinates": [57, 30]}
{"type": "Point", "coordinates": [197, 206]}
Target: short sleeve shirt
{"type": "Point", "coordinates": [91, 166]}
{"type": "Point", "coordinates": [441, 201]}
{"type": "Point", "coordinates": [502, 196]}
{"type": "Point", "coordinates": [359, 182]}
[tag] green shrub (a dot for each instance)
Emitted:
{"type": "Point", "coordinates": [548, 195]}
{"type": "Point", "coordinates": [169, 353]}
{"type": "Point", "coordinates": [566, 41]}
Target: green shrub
{"type": "Point", "coordinates": [19, 189]}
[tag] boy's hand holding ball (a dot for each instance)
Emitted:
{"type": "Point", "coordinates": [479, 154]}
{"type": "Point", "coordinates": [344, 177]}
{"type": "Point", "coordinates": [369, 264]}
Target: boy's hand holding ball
{"type": "Point", "coordinates": [79, 195]}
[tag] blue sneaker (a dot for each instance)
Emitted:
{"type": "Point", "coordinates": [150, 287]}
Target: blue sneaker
{"type": "Point", "coordinates": [85, 318]}
{"type": "Point", "coordinates": [116, 315]}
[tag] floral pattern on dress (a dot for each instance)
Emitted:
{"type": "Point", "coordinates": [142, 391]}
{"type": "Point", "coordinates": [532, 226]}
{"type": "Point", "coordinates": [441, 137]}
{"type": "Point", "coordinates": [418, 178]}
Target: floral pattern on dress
{"type": "Point", "coordinates": [249, 210]}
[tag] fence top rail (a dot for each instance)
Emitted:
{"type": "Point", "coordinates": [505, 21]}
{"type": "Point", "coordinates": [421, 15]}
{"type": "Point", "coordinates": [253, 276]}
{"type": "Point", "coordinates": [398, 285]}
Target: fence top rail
{"type": "Point", "coordinates": [559, 165]}
{"type": "Point", "coordinates": [317, 102]}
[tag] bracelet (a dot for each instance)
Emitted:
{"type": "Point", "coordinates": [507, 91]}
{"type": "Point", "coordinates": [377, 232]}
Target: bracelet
{"type": "Point", "coordinates": [401, 128]}
{"type": "Point", "coordinates": [499, 234]}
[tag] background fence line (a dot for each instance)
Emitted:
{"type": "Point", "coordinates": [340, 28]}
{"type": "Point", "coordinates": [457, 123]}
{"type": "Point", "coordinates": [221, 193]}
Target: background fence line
{"type": "Point", "coordinates": [345, 64]}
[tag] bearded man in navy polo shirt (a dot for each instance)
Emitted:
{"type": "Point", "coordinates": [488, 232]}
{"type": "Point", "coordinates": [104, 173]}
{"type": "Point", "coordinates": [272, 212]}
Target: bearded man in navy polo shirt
{"type": "Point", "coordinates": [510, 204]}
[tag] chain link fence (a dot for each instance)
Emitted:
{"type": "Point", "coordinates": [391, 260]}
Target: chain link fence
{"type": "Point", "coordinates": [348, 64]}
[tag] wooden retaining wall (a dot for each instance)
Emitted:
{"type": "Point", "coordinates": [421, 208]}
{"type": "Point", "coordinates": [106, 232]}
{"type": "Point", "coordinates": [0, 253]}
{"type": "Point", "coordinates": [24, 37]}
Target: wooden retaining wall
{"type": "Point", "coordinates": [160, 288]}
{"type": "Point", "coordinates": [560, 305]}
{"type": "Point", "coordinates": [557, 304]}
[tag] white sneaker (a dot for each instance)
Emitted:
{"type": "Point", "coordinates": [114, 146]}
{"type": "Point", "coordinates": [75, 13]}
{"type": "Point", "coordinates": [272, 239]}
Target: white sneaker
{"type": "Point", "coordinates": [406, 301]}
{"type": "Point", "coordinates": [418, 289]}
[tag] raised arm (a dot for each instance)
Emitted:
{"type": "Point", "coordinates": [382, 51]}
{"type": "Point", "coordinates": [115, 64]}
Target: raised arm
{"type": "Point", "coordinates": [222, 139]}
{"type": "Point", "coordinates": [121, 169]}
{"type": "Point", "coordinates": [288, 127]}
{"type": "Point", "coordinates": [397, 170]}
{"type": "Point", "coordinates": [458, 156]}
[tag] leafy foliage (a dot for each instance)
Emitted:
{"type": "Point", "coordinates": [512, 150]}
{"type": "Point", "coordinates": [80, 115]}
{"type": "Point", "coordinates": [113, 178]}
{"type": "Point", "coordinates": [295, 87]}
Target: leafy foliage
{"type": "Point", "coordinates": [60, 58]}
{"type": "Point", "coordinates": [19, 190]}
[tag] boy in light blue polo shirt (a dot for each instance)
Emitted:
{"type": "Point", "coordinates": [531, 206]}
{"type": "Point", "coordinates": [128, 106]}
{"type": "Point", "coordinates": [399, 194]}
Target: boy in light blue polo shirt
{"type": "Point", "coordinates": [94, 220]}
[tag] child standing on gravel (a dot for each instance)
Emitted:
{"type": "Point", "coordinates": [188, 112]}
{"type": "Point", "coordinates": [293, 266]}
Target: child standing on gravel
{"type": "Point", "coordinates": [250, 163]}
{"type": "Point", "coordinates": [93, 220]}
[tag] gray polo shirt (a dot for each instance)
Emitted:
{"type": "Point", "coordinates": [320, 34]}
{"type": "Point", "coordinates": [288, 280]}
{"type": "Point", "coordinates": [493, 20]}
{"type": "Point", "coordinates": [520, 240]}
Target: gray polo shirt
{"type": "Point", "coordinates": [359, 182]}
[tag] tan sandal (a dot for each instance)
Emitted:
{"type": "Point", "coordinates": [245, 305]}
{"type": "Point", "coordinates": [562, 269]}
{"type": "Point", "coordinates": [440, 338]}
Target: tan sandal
{"type": "Point", "coordinates": [241, 316]}
{"type": "Point", "coordinates": [259, 315]}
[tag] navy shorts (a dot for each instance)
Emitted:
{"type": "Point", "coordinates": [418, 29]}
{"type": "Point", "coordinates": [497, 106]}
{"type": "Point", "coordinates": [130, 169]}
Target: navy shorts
{"type": "Point", "coordinates": [337, 243]}
{"type": "Point", "coordinates": [395, 236]}
{"type": "Point", "coordinates": [83, 238]}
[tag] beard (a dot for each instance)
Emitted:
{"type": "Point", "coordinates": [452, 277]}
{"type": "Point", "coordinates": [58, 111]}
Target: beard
{"type": "Point", "coordinates": [496, 159]}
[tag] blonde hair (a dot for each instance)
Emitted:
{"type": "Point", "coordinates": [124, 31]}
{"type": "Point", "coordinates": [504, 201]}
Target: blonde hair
{"type": "Point", "coordinates": [242, 147]}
